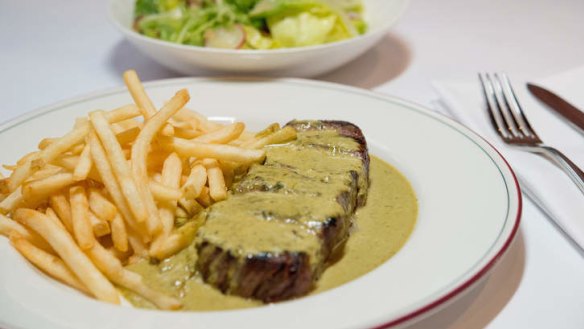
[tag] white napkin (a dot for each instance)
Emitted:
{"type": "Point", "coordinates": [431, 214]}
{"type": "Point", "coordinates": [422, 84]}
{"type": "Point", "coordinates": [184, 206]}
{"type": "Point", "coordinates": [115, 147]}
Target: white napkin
{"type": "Point", "coordinates": [547, 185]}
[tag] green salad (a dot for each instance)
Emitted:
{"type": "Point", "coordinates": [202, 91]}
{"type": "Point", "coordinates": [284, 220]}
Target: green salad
{"type": "Point", "coordinates": [250, 24]}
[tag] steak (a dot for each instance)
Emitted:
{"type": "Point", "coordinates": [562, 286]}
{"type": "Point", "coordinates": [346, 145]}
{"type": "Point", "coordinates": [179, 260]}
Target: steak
{"type": "Point", "coordinates": [270, 240]}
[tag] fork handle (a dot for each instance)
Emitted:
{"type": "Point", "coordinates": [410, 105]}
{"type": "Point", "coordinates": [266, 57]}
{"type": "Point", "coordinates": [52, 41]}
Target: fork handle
{"type": "Point", "coordinates": [568, 166]}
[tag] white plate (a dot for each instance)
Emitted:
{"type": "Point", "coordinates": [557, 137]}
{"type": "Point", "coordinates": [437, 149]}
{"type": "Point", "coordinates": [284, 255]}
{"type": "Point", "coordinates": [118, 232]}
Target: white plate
{"type": "Point", "coordinates": [469, 209]}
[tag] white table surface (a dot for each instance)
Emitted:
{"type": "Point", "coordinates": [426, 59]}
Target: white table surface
{"type": "Point", "coordinates": [54, 50]}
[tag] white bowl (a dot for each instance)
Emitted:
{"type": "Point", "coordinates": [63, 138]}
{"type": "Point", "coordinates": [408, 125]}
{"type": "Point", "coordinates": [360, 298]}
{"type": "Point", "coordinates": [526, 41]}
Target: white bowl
{"type": "Point", "coordinates": [298, 62]}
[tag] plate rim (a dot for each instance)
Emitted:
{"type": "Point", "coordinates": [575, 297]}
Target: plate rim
{"type": "Point", "coordinates": [419, 311]}
{"type": "Point", "coordinates": [463, 287]}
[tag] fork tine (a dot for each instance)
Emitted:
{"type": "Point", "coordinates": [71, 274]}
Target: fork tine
{"type": "Point", "coordinates": [494, 113]}
{"type": "Point", "coordinates": [516, 108]}
{"type": "Point", "coordinates": [504, 107]}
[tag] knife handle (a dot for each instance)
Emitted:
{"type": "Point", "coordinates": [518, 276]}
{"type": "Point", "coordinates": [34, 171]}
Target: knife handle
{"type": "Point", "coordinates": [568, 166]}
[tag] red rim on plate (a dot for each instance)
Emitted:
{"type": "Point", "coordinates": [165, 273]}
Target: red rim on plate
{"type": "Point", "coordinates": [478, 276]}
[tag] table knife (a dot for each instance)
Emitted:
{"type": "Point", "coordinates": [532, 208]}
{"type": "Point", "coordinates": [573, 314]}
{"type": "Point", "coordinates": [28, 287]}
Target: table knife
{"type": "Point", "coordinates": [559, 105]}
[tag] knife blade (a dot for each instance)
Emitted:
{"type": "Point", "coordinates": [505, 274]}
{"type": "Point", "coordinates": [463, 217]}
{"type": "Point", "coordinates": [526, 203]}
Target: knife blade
{"type": "Point", "coordinates": [559, 105]}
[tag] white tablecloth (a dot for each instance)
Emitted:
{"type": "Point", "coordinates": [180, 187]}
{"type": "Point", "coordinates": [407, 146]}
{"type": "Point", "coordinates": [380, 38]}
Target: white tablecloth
{"type": "Point", "coordinates": [53, 50]}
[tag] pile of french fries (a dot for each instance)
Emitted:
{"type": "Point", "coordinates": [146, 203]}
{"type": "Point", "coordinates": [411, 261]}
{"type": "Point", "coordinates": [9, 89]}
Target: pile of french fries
{"type": "Point", "coordinates": [123, 185]}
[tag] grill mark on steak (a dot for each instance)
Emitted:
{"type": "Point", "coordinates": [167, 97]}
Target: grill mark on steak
{"type": "Point", "coordinates": [274, 275]}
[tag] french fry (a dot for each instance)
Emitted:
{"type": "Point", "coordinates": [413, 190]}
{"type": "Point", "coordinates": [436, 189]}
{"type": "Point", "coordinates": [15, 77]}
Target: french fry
{"type": "Point", "coordinates": [8, 226]}
{"type": "Point", "coordinates": [195, 182]}
{"type": "Point", "coordinates": [220, 152]}
{"type": "Point", "coordinates": [119, 234]}
{"type": "Point", "coordinates": [99, 226]}
{"type": "Point", "coordinates": [171, 175]}
{"type": "Point", "coordinates": [141, 99]}
{"type": "Point", "coordinates": [5, 185]}
{"type": "Point", "coordinates": [228, 172]}
{"type": "Point", "coordinates": [207, 163]}
{"type": "Point", "coordinates": [70, 253]}
{"type": "Point", "coordinates": [186, 133]}
{"type": "Point", "coordinates": [76, 149]}
{"type": "Point", "coordinates": [26, 157]}
{"type": "Point", "coordinates": [204, 198]}
{"type": "Point", "coordinates": [46, 262]}
{"type": "Point", "coordinates": [82, 230]}
{"type": "Point", "coordinates": [12, 201]}
{"type": "Point", "coordinates": [181, 124]}
{"type": "Point", "coordinates": [172, 172]}
{"type": "Point", "coordinates": [45, 156]}
{"type": "Point", "coordinates": [125, 137]}
{"type": "Point", "coordinates": [167, 130]}
{"type": "Point", "coordinates": [126, 125]}
{"type": "Point", "coordinates": [184, 116]}
{"type": "Point", "coordinates": [135, 241]}
{"type": "Point", "coordinates": [41, 189]}
{"type": "Point", "coordinates": [67, 162]}
{"type": "Point", "coordinates": [140, 154]}
{"type": "Point", "coordinates": [48, 170]}
{"type": "Point", "coordinates": [60, 204]}
{"type": "Point", "coordinates": [84, 165]}
{"type": "Point", "coordinates": [163, 193]}
{"type": "Point", "coordinates": [54, 217]}
{"type": "Point", "coordinates": [217, 188]}
{"type": "Point", "coordinates": [111, 185]}
{"type": "Point", "coordinates": [61, 145]}
{"type": "Point", "coordinates": [247, 135]}
{"type": "Point", "coordinates": [283, 135]}
{"type": "Point", "coordinates": [114, 270]}
{"type": "Point", "coordinates": [191, 206]}
{"type": "Point", "coordinates": [101, 206]}
{"type": "Point", "coordinates": [122, 113]}
{"type": "Point", "coordinates": [272, 128]}
{"type": "Point", "coordinates": [223, 135]}
{"type": "Point", "coordinates": [202, 123]}
{"type": "Point", "coordinates": [45, 142]}
{"type": "Point", "coordinates": [176, 241]}
{"type": "Point", "coordinates": [236, 142]}
{"type": "Point", "coordinates": [10, 168]}
{"type": "Point", "coordinates": [121, 169]}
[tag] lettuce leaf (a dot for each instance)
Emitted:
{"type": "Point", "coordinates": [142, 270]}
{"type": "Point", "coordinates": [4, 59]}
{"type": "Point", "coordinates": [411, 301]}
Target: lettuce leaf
{"type": "Point", "coordinates": [256, 40]}
{"type": "Point", "coordinates": [296, 23]}
{"type": "Point", "coordinates": [145, 7]}
{"type": "Point", "coordinates": [302, 29]}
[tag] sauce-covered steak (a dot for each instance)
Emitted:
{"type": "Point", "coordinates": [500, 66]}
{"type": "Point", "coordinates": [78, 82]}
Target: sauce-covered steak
{"type": "Point", "coordinates": [271, 238]}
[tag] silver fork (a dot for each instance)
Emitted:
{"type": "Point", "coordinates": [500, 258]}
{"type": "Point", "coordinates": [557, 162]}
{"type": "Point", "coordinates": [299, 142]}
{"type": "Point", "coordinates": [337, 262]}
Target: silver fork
{"type": "Point", "coordinates": [512, 125]}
